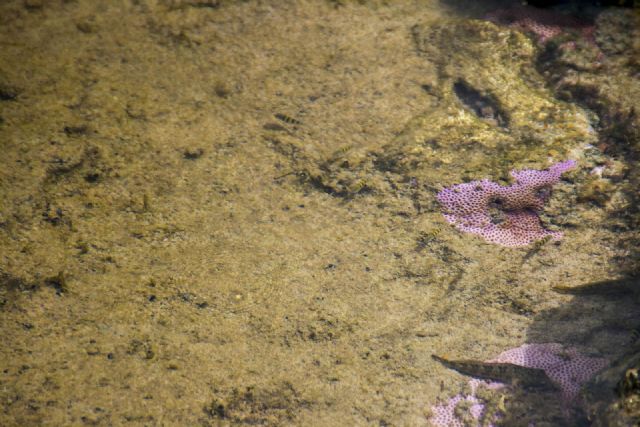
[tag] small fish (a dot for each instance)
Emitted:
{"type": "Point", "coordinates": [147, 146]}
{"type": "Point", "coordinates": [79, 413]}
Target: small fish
{"type": "Point", "coordinates": [287, 119]}
{"type": "Point", "coordinates": [341, 151]}
{"type": "Point", "coordinates": [536, 247]}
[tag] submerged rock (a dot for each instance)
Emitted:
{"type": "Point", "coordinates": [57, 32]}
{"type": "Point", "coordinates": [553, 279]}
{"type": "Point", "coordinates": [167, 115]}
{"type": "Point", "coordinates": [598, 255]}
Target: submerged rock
{"type": "Point", "coordinates": [487, 109]}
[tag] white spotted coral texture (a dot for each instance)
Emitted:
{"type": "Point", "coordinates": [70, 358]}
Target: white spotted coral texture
{"type": "Point", "coordinates": [565, 366]}
{"type": "Point", "coordinates": [504, 215]}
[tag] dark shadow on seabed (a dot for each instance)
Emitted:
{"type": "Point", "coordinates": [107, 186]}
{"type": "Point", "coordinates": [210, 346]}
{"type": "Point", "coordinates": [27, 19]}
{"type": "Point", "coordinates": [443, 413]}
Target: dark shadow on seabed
{"type": "Point", "coordinates": [603, 316]}
{"type": "Point", "coordinates": [607, 313]}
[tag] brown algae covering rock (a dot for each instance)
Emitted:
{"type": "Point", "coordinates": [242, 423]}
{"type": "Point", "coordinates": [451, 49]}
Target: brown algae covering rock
{"type": "Point", "coordinates": [521, 119]}
{"type": "Point", "coordinates": [488, 111]}
{"type": "Point", "coordinates": [224, 212]}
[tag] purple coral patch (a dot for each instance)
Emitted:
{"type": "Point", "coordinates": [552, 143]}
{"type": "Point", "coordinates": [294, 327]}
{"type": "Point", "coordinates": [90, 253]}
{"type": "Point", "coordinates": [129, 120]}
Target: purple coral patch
{"type": "Point", "coordinates": [504, 215]}
{"type": "Point", "coordinates": [565, 366]}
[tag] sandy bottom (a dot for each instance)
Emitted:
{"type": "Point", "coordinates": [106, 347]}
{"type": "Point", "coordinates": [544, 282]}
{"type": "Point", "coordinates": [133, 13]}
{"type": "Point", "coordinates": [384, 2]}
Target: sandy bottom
{"type": "Point", "coordinates": [166, 258]}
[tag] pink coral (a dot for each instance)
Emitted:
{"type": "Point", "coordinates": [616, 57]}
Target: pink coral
{"type": "Point", "coordinates": [504, 215]}
{"type": "Point", "coordinates": [445, 415]}
{"type": "Point", "coordinates": [565, 366]}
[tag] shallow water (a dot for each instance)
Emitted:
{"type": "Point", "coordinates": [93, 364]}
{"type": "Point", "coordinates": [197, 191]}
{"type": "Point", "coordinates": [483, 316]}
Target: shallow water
{"type": "Point", "coordinates": [224, 213]}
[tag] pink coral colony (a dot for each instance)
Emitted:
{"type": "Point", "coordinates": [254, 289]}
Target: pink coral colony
{"type": "Point", "coordinates": [507, 216]}
{"type": "Point", "coordinates": [565, 366]}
